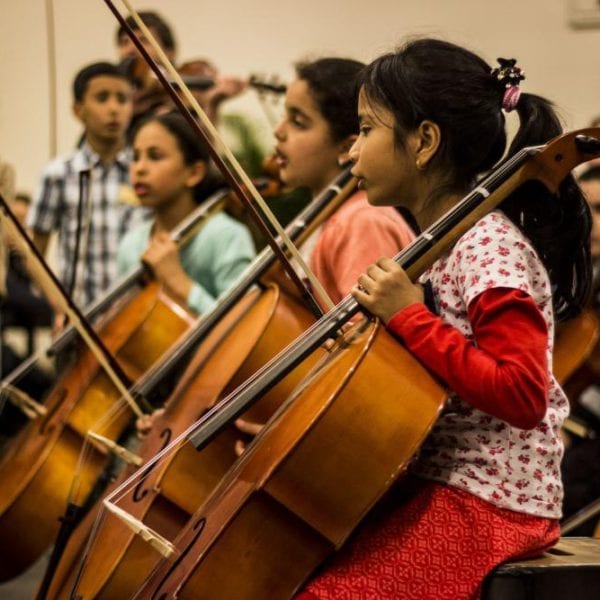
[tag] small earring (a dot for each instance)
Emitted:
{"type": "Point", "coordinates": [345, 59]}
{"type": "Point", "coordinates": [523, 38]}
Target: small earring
{"type": "Point", "coordinates": [342, 161]}
{"type": "Point", "coordinates": [419, 165]}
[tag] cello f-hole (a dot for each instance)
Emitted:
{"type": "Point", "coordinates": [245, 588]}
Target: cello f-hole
{"type": "Point", "coordinates": [199, 528]}
{"type": "Point", "coordinates": [139, 492]}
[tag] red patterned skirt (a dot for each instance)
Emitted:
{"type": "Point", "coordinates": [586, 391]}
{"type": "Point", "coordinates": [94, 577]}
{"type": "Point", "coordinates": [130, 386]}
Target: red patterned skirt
{"type": "Point", "coordinates": [439, 544]}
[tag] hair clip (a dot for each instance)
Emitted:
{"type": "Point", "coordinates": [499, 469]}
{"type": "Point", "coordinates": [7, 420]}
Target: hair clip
{"type": "Point", "coordinates": [509, 76]}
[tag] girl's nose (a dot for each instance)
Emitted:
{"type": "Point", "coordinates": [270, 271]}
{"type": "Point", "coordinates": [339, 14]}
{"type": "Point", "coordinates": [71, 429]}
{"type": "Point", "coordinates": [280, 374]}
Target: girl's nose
{"type": "Point", "coordinates": [354, 152]}
{"type": "Point", "coordinates": [138, 166]}
{"type": "Point", "coordinates": [279, 131]}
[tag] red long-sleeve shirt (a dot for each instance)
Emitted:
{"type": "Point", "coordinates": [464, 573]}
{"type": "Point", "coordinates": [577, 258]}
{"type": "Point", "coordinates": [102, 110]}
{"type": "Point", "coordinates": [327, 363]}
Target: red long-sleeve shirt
{"type": "Point", "coordinates": [503, 370]}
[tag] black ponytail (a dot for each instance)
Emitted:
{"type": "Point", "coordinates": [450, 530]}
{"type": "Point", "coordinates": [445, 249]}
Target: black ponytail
{"type": "Point", "coordinates": [558, 225]}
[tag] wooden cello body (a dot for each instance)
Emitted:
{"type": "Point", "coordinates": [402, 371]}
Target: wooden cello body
{"type": "Point", "coordinates": [295, 495]}
{"type": "Point", "coordinates": [37, 467]}
{"type": "Point", "coordinates": [303, 486]}
{"type": "Point", "coordinates": [576, 343]}
{"type": "Point", "coordinates": [250, 333]}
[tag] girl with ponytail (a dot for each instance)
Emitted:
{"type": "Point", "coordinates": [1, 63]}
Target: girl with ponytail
{"type": "Point", "coordinates": [486, 485]}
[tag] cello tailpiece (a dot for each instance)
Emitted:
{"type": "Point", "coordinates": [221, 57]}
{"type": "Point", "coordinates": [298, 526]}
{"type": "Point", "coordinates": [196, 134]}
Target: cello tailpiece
{"type": "Point", "coordinates": [159, 543]}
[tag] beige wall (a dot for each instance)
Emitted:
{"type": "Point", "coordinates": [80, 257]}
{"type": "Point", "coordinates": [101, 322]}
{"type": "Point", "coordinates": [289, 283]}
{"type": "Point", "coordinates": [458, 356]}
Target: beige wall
{"type": "Point", "coordinates": [246, 36]}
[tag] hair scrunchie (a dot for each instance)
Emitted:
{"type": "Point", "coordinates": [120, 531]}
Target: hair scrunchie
{"type": "Point", "coordinates": [508, 76]}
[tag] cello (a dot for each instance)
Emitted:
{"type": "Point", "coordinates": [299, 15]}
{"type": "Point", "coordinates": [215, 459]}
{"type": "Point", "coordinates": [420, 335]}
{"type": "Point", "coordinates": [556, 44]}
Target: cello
{"type": "Point", "coordinates": [42, 459]}
{"type": "Point", "coordinates": [245, 335]}
{"type": "Point", "coordinates": [306, 474]}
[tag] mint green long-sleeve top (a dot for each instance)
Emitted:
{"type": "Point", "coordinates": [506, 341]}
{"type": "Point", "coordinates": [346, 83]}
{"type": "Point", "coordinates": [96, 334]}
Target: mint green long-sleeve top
{"type": "Point", "coordinates": [214, 258]}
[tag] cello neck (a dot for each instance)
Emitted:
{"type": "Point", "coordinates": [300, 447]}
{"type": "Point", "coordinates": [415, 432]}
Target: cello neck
{"type": "Point", "coordinates": [548, 164]}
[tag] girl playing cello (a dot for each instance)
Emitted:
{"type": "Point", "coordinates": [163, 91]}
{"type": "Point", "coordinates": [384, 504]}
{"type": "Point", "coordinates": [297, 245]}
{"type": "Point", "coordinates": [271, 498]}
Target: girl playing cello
{"type": "Point", "coordinates": [313, 138]}
{"type": "Point", "coordinates": [168, 174]}
{"type": "Point", "coordinates": [486, 486]}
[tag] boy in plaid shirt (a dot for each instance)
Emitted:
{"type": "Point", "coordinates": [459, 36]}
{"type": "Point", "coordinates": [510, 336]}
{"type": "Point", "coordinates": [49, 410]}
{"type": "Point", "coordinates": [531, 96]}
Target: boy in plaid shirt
{"type": "Point", "coordinates": [103, 103]}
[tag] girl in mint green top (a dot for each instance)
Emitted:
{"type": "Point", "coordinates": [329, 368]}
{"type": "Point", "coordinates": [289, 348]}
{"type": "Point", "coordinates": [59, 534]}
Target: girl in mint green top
{"type": "Point", "coordinates": [167, 173]}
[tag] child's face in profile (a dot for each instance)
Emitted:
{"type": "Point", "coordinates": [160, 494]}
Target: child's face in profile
{"type": "Point", "coordinates": [106, 108]}
{"type": "Point", "coordinates": [159, 173]}
{"type": "Point", "coordinates": [386, 172]}
{"type": "Point", "coordinates": [306, 154]}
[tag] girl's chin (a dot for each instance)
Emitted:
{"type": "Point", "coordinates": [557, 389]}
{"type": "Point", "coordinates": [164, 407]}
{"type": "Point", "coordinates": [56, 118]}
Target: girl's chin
{"type": "Point", "coordinates": [284, 176]}
{"type": "Point", "coordinates": [148, 202]}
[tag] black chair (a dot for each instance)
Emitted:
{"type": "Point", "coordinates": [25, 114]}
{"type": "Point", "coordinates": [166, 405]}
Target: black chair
{"type": "Point", "coordinates": [570, 570]}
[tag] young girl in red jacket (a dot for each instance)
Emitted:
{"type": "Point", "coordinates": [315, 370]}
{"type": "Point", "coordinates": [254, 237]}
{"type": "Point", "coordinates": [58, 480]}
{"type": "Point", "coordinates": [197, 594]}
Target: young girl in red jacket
{"type": "Point", "coordinates": [486, 486]}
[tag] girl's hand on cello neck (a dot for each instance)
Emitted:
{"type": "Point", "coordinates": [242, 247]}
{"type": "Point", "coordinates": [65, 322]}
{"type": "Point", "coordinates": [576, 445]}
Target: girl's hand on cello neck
{"type": "Point", "coordinates": [386, 289]}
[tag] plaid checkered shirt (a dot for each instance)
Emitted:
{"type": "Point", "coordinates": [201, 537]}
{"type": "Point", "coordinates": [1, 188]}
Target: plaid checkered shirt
{"type": "Point", "coordinates": [55, 208]}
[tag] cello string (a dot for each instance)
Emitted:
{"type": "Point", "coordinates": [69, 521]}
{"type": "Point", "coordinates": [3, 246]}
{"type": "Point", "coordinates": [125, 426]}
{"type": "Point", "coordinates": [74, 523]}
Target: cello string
{"type": "Point", "coordinates": [89, 545]}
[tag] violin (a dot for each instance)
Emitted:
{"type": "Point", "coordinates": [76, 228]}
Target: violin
{"type": "Point", "coordinates": [198, 75]}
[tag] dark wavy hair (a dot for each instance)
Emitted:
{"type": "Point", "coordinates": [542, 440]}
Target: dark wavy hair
{"type": "Point", "coordinates": [334, 84]}
{"type": "Point", "coordinates": [453, 87]}
{"type": "Point", "coordinates": [192, 148]}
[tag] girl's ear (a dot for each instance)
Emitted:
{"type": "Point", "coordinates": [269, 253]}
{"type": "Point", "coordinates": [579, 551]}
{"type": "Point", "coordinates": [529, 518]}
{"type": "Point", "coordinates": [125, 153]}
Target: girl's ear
{"type": "Point", "coordinates": [344, 149]}
{"type": "Point", "coordinates": [426, 142]}
{"type": "Point", "coordinates": [197, 172]}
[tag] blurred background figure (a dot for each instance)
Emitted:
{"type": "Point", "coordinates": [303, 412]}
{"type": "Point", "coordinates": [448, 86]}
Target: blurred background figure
{"type": "Point", "coordinates": [208, 86]}
{"type": "Point", "coordinates": [581, 463]}
{"type": "Point", "coordinates": [22, 311]}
